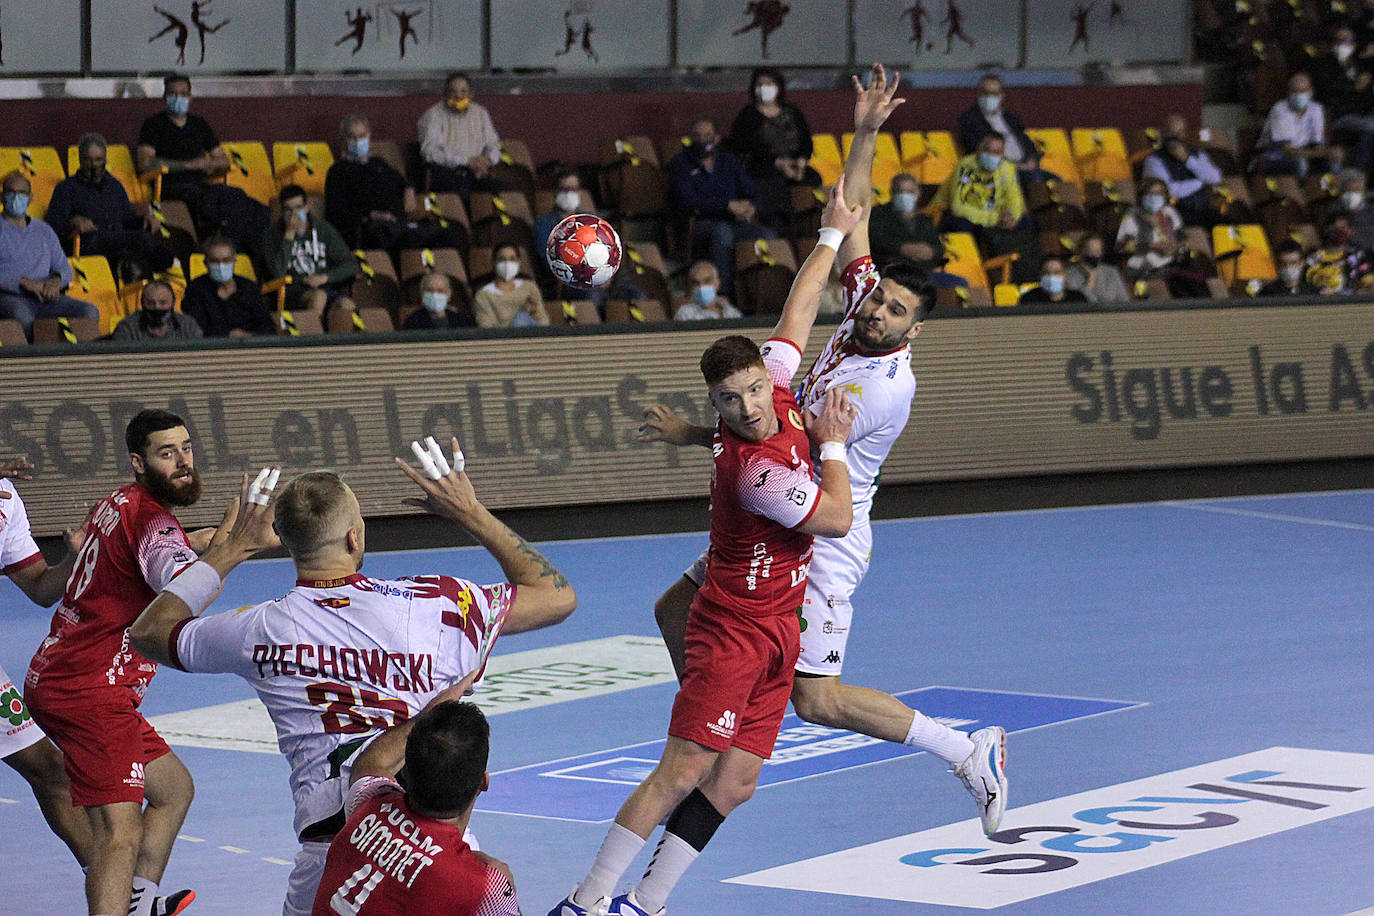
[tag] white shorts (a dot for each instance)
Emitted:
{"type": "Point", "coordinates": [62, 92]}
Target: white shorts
{"type": "Point", "coordinates": [17, 728]}
{"type": "Point", "coordinates": [304, 882]}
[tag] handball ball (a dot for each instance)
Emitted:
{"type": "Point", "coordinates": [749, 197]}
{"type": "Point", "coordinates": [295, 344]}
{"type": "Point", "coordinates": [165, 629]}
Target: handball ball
{"type": "Point", "coordinates": [583, 251]}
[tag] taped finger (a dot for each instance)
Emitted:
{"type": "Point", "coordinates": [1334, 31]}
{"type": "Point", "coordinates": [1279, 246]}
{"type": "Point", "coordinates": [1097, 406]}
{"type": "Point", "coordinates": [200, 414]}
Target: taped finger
{"type": "Point", "coordinates": [255, 491]}
{"type": "Point", "coordinates": [436, 453]}
{"type": "Point", "coordinates": [426, 462]}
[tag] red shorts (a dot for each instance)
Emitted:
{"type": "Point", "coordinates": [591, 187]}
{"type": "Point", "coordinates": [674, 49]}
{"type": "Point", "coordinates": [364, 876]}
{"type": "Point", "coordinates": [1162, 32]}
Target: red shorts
{"type": "Point", "coordinates": [105, 742]}
{"type": "Point", "coordinates": [737, 678]}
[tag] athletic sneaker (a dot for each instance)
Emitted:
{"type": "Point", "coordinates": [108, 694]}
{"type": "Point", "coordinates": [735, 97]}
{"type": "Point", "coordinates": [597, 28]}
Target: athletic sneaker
{"type": "Point", "coordinates": [567, 908]}
{"type": "Point", "coordinates": [627, 905]}
{"type": "Point", "coordinates": [173, 904]}
{"type": "Point", "coordinates": [984, 775]}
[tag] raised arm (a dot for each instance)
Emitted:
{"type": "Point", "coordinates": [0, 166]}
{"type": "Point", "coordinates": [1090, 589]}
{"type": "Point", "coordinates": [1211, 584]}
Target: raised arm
{"type": "Point", "coordinates": [662, 424]}
{"type": "Point", "coordinates": [804, 299]}
{"type": "Point", "coordinates": [872, 106]}
{"type": "Point", "coordinates": [543, 595]}
{"type": "Point", "coordinates": [386, 754]}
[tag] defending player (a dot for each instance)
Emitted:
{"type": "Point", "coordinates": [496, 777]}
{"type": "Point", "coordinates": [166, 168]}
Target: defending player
{"type": "Point", "coordinates": [22, 743]}
{"type": "Point", "coordinates": [342, 656]}
{"type": "Point", "coordinates": [444, 751]}
{"type": "Point", "coordinates": [742, 632]}
{"type": "Point", "coordinates": [868, 356]}
{"type": "Point", "coordinates": [85, 682]}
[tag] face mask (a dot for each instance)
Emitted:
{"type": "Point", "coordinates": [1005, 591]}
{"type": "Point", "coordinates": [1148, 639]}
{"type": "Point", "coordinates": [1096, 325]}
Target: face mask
{"type": "Point", "coordinates": [220, 272]}
{"type": "Point", "coordinates": [1291, 274]}
{"type": "Point", "coordinates": [904, 201]}
{"type": "Point", "coordinates": [704, 295]}
{"type": "Point", "coordinates": [1152, 203]}
{"type": "Point", "coordinates": [1299, 100]}
{"type": "Point", "coordinates": [507, 270]}
{"type": "Point", "coordinates": [358, 147]}
{"type": "Point", "coordinates": [1052, 283]}
{"type": "Point", "coordinates": [989, 103]}
{"type": "Point", "coordinates": [1091, 260]}
{"type": "Point", "coordinates": [434, 301]}
{"type": "Point", "coordinates": [303, 213]}
{"type": "Point", "coordinates": [155, 318]}
{"type": "Point", "coordinates": [568, 201]}
{"type": "Point", "coordinates": [93, 175]}
{"type": "Point", "coordinates": [1353, 200]}
{"type": "Point", "coordinates": [989, 161]}
{"type": "Point", "coordinates": [703, 150]}
{"type": "Point", "coordinates": [16, 204]}
{"type": "Point", "coordinates": [178, 104]}
{"type": "Point", "coordinates": [1338, 238]}
{"type": "Point", "coordinates": [1344, 52]}
{"type": "Point", "coordinates": [766, 92]}
{"type": "Point", "coordinates": [458, 104]}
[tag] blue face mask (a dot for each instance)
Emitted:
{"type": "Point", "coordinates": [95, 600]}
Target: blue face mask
{"type": "Point", "coordinates": [1299, 100]}
{"type": "Point", "coordinates": [704, 295]}
{"type": "Point", "coordinates": [178, 104]}
{"type": "Point", "coordinates": [1052, 283]}
{"type": "Point", "coordinates": [989, 161]}
{"type": "Point", "coordinates": [358, 147]}
{"type": "Point", "coordinates": [435, 302]}
{"type": "Point", "coordinates": [904, 201]}
{"type": "Point", "coordinates": [220, 272]}
{"type": "Point", "coordinates": [1152, 203]}
{"type": "Point", "coordinates": [16, 204]}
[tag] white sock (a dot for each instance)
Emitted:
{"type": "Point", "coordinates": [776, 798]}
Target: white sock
{"type": "Point", "coordinates": [615, 855]}
{"type": "Point", "coordinates": [949, 745]}
{"type": "Point", "coordinates": [143, 897]}
{"type": "Point", "coordinates": [670, 861]}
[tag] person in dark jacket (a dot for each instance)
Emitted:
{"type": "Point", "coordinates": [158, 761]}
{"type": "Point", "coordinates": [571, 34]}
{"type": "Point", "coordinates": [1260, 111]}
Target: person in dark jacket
{"type": "Point", "coordinates": [223, 303]}
{"type": "Point", "coordinates": [987, 115]}
{"type": "Point", "coordinates": [773, 139]}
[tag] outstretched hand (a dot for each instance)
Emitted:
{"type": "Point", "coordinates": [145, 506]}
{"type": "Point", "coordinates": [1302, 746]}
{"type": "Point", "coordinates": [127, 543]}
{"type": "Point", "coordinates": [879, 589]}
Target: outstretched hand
{"type": "Point", "coordinates": [838, 213]}
{"type": "Point", "coordinates": [873, 105]}
{"type": "Point", "coordinates": [247, 523]}
{"type": "Point", "coordinates": [661, 424]}
{"type": "Point", "coordinates": [450, 496]}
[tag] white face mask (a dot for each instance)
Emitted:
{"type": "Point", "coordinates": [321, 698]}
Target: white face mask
{"type": "Point", "coordinates": [434, 300]}
{"type": "Point", "coordinates": [1291, 273]}
{"type": "Point", "coordinates": [1353, 200]}
{"type": "Point", "coordinates": [568, 201]}
{"type": "Point", "coordinates": [507, 270]}
{"type": "Point", "coordinates": [989, 103]}
{"type": "Point", "coordinates": [766, 92]}
{"type": "Point", "coordinates": [1344, 52]}
{"type": "Point", "coordinates": [1152, 203]}
{"type": "Point", "coordinates": [904, 201]}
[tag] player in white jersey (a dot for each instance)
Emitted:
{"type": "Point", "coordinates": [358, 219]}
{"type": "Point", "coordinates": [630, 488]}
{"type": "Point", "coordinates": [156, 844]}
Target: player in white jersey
{"type": "Point", "coordinates": [870, 358]}
{"type": "Point", "coordinates": [341, 657]}
{"type": "Point", "coordinates": [23, 746]}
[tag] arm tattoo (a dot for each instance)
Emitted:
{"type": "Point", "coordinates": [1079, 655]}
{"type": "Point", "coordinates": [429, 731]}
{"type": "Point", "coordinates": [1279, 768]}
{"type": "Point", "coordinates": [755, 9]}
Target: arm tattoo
{"type": "Point", "coordinates": [546, 569]}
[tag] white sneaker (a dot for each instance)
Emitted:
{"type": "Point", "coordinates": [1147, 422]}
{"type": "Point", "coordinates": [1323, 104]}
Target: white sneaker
{"type": "Point", "coordinates": [984, 775]}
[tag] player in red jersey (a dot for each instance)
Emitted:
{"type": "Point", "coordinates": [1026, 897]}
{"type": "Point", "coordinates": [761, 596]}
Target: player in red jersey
{"type": "Point", "coordinates": [402, 853]}
{"type": "Point", "coordinates": [86, 681]}
{"type": "Point", "coordinates": [742, 632]}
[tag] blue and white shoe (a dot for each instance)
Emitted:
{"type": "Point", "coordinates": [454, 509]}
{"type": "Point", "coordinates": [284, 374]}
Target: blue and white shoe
{"type": "Point", "coordinates": [566, 907]}
{"type": "Point", "coordinates": [984, 775]}
{"type": "Point", "coordinates": [627, 905]}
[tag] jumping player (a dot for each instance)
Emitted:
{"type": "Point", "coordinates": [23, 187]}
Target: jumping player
{"type": "Point", "coordinates": [444, 751]}
{"type": "Point", "coordinates": [742, 632]}
{"type": "Point", "coordinates": [342, 656]}
{"type": "Point", "coordinates": [23, 746]}
{"type": "Point", "coordinates": [868, 356]}
{"type": "Point", "coordinates": [86, 682]}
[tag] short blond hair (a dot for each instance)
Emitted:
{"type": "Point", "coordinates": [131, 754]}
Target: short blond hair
{"type": "Point", "coordinates": [313, 510]}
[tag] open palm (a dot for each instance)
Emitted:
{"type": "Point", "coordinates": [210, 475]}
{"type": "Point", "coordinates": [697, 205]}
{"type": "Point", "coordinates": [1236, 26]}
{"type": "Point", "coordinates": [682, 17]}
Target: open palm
{"type": "Point", "coordinates": [873, 105]}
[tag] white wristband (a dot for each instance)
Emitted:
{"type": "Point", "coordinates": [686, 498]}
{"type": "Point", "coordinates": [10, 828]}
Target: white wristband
{"type": "Point", "coordinates": [830, 238]}
{"type": "Point", "coordinates": [832, 451]}
{"type": "Point", "coordinates": [197, 585]}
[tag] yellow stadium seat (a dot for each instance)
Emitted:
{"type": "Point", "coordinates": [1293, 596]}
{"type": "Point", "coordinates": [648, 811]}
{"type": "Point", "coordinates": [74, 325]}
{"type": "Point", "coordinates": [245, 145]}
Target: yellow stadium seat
{"type": "Point", "coordinates": [41, 166]}
{"type": "Point", "coordinates": [887, 163]}
{"type": "Point", "coordinates": [1055, 153]}
{"type": "Point", "coordinates": [302, 162]}
{"type": "Point", "coordinates": [1242, 253]}
{"type": "Point", "coordinates": [93, 282]}
{"type": "Point", "coordinates": [938, 155]}
{"type": "Point", "coordinates": [119, 162]}
{"type": "Point", "coordinates": [250, 169]}
{"type": "Point", "coordinates": [243, 266]}
{"type": "Point", "coordinates": [1006, 294]}
{"type": "Point", "coordinates": [1100, 154]}
{"type": "Point", "coordinates": [826, 158]}
{"type": "Point", "coordinates": [964, 259]}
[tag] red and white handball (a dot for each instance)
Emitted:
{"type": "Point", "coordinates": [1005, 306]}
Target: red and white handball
{"type": "Point", "coordinates": [584, 251]}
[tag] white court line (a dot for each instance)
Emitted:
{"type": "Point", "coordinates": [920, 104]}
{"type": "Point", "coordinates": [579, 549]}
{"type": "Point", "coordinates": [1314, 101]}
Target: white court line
{"type": "Point", "coordinates": [1272, 516]}
{"type": "Point", "coordinates": [238, 850]}
{"type": "Point", "coordinates": [1367, 911]}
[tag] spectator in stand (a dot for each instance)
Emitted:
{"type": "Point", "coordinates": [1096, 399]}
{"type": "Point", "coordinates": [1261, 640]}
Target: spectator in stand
{"type": "Point", "coordinates": [509, 300]}
{"type": "Point", "coordinates": [94, 205]}
{"type": "Point", "coordinates": [33, 269]}
{"type": "Point", "coordinates": [1354, 203]}
{"type": "Point", "coordinates": [1338, 266]}
{"type": "Point", "coordinates": [987, 115]}
{"type": "Point", "coordinates": [983, 197]}
{"type": "Point", "coordinates": [898, 229]}
{"type": "Point", "coordinates": [1053, 285]}
{"type": "Point", "coordinates": [458, 141]}
{"type": "Point", "coordinates": [1342, 81]}
{"type": "Point", "coordinates": [366, 199]}
{"type": "Point", "coordinates": [1151, 234]}
{"type": "Point", "coordinates": [710, 186]}
{"type": "Point", "coordinates": [185, 147]}
{"type": "Point", "coordinates": [156, 319]}
{"type": "Point", "coordinates": [772, 138]}
{"type": "Point", "coordinates": [705, 302]}
{"type": "Point", "coordinates": [567, 200]}
{"type": "Point", "coordinates": [437, 311]}
{"type": "Point", "coordinates": [1292, 279]}
{"type": "Point", "coordinates": [1188, 174]}
{"type": "Point", "coordinates": [312, 253]}
{"type": "Point", "coordinates": [1293, 140]}
{"type": "Point", "coordinates": [223, 303]}
{"type": "Point", "coordinates": [1099, 281]}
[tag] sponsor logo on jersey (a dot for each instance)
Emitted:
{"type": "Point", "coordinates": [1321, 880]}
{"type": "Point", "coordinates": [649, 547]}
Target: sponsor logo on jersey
{"type": "Point", "coordinates": [333, 601]}
{"type": "Point", "coordinates": [166, 531]}
{"type": "Point", "coordinates": [832, 659]}
{"type": "Point", "coordinates": [724, 726]}
{"type": "Point", "coordinates": [763, 478]}
{"type": "Point", "coordinates": [794, 418]}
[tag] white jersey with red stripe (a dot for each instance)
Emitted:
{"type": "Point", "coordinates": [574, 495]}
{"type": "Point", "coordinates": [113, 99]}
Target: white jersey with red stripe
{"type": "Point", "coordinates": [337, 661]}
{"type": "Point", "coordinates": [17, 550]}
{"type": "Point", "coordinates": [134, 546]}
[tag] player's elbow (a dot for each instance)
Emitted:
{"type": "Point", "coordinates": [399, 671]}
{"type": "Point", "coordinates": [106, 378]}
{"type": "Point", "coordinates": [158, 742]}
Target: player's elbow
{"type": "Point", "coordinates": [148, 635]}
{"type": "Point", "coordinates": [834, 523]}
{"type": "Point", "coordinates": [539, 607]}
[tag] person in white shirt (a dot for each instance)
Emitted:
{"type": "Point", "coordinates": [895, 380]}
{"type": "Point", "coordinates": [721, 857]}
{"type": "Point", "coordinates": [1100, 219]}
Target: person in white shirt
{"type": "Point", "coordinates": [458, 141]}
{"type": "Point", "coordinates": [703, 284]}
{"type": "Point", "coordinates": [1293, 140]}
{"type": "Point", "coordinates": [342, 656]}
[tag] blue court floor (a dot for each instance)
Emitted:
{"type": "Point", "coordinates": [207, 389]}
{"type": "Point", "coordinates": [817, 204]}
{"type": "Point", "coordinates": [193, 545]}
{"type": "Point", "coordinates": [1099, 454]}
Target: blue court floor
{"type": "Point", "coordinates": [1187, 685]}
